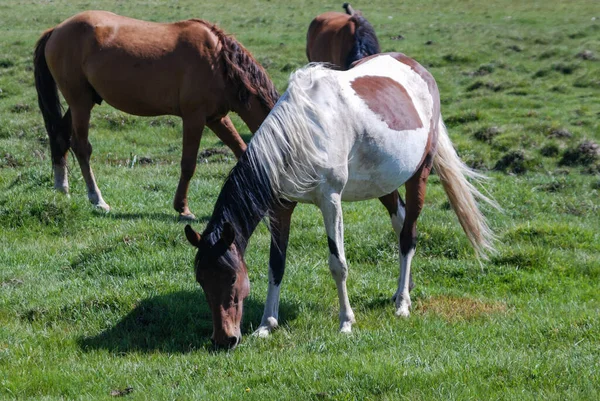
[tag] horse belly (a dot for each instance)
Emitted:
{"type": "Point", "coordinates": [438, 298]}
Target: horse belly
{"type": "Point", "coordinates": [377, 167]}
{"type": "Point", "coordinates": [143, 87]}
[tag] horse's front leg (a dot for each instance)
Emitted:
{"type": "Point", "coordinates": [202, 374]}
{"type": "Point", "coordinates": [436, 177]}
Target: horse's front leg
{"type": "Point", "coordinates": [280, 232]}
{"type": "Point", "coordinates": [331, 207]}
{"type": "Point", "coordinates": [192, 133]}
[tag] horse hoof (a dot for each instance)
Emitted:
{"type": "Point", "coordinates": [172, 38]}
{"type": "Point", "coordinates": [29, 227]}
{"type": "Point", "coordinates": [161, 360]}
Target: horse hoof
{"type": "Point", "coordinates": [403, 312]}
{"type": "Point", "coordinates": [262, 332]}
{"type": "Point", "coordinates": [266, 327]}
{"type": "Point", "coordinates": [346, 328]}
{"type": "Point", "coordinates": [103, 207]}
{"type": "Point", "coordinates": [187, 217]}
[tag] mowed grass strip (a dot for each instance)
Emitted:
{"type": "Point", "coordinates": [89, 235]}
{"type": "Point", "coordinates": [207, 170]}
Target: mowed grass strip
{"type": "Point", "coordinates": [98, 306]}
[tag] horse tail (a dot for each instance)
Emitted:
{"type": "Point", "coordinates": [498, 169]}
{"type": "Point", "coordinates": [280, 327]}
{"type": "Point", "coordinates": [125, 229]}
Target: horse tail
{"type": "Point", "coordinates": [58, 128]}
{"type": "Point", "coordinates": [348, 8]}
{"type": "Point", "coordinates": [365, 39]}
{"type": "Point", "coordinates": [463, 195]}
{"type": "Point", "coordinates": [244, 72]}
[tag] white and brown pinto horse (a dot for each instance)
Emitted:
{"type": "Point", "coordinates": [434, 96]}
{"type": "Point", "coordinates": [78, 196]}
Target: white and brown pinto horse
{"type": "Point", "coordinates": [333, 136]}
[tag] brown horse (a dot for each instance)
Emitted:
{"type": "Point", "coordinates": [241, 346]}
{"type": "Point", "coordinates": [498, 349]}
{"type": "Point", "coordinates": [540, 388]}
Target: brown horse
{"type": "Point", "coordinates": [341, 39]}
{"type": "Point", "coordinates": [190, 69]}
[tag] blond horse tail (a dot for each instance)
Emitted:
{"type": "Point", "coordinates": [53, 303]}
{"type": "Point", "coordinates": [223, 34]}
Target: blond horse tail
{"type": "Point", "coordinates": [463, 195]}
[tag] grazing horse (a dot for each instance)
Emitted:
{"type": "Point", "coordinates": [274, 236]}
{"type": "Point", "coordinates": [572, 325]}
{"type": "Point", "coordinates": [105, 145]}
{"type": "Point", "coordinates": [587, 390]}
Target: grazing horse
{"type": "Point", "coordinates": [190, 69]}
{"type": "Point", "coordinates": [340, 39]}
{"type": "Point", "coordinates": [333, 136]}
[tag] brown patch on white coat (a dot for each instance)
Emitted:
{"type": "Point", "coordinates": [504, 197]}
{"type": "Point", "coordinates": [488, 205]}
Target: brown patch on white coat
{"type": "Point", "coordinates": [389, 100]}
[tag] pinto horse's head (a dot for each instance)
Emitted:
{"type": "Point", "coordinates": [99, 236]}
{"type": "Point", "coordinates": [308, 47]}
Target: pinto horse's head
{"type": "Point", "coordinates": [221, 271]}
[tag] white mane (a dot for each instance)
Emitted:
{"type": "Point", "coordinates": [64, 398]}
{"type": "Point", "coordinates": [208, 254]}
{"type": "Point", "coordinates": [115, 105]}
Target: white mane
{"type": "Point", "coordinates": [285, 145]}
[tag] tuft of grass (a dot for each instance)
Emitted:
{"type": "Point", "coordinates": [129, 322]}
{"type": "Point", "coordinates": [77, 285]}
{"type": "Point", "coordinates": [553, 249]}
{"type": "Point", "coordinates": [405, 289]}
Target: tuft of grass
{"type": "Point", "coordinates": [462, 118]}
{"type": "Point", "coordinates": [585, 154]}
{"type": "Point", "coordinates": [486, 134]}
{"type": "Point", "coordinates": [514, 161]}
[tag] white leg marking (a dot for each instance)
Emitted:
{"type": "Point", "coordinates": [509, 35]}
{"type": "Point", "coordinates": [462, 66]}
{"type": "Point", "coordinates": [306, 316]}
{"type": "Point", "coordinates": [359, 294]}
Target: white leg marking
{"type": "Point", "coordinates": [61, 179]}
{"type": "Point", "coordinates": [271, 312]}
{"type": "Point", "coordinates": [94, 194]}
{"type": "Point", "coordinates": [339, 271]}
{"type": "Point", "coordinates": [402, 295]}
{"type": "Point", "coordinates": [331, 208]}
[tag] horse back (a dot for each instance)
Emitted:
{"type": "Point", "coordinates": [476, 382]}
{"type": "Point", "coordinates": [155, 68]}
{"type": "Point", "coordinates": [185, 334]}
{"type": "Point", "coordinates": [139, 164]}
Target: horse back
{"type": "Point", "coordinates": [418, 69]}
{"type": "Point", "coordinates": [379, 119]}
{"type": "Point", "coordinates": [140, 67]}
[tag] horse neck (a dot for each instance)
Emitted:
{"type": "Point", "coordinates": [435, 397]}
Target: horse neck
{"type": "Point", "coordinates": [243, 202]}
{"type": "Point", "coordinates": [253, 113]}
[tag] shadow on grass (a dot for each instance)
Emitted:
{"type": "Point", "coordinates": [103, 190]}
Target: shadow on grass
{"type": "Point", "coordinates": [179, 322]}
{"type": "Point", "coordinates": [170, 217]}
{"type": "Point", "coordinates": [384, 301]}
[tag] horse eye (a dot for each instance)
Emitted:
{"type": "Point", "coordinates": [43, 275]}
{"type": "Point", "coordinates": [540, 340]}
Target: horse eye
{"type": "Point", "coordinates": [233, 280]}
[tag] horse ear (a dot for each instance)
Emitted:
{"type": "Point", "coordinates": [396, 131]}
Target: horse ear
{"type": "Point", "coordinates": [228, 234]}
{"type": "Point", "coordinates": [192, 236]}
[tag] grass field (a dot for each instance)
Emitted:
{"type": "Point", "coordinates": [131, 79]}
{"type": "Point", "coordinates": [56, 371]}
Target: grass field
{"type": "Point", "coordinates": [95, 305]}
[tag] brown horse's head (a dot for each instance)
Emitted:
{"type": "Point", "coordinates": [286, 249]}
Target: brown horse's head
{"type": "Point", "coordinates": [221, 271]}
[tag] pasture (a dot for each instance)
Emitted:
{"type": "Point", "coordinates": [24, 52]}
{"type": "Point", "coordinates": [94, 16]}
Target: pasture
{"type": "Point", "coordinates": [98, 305]}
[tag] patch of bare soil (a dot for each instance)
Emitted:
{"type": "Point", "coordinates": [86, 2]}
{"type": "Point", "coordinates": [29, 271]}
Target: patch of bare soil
{"type": "Point", "coordinates": [454, 309]}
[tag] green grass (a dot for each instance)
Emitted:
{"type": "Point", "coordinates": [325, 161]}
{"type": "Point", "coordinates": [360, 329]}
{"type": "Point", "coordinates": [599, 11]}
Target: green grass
{"type": "Point", "coordinates": [94, 303]}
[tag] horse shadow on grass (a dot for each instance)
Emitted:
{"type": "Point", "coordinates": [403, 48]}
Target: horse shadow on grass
{"type": "Point", "coordinates": [168, 217]}
{"type": "Point", "coordinates": [178, 322]}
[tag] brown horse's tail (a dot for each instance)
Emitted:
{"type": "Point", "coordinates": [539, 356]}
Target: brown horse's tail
{"type": "Point", "coordinates": [462, 194]}
{"type": "Point", "coordinates": [57, 126]}
{"type": "Point", "coordinates": [365, 39]}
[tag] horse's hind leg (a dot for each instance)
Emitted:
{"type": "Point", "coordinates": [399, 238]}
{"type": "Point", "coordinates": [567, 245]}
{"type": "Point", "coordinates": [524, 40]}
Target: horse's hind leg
{"type": "Point", "coordinates": [192, 133]}
{"type": "Point", "coordinates": [227, 133]}
{"type": "Point", "coordinates": [80, 117]}
{"type": "Point", "coordinates": [415, 197]}
{"type": "Point", "coordinates": [396, 208]}
{"type": "Point", "coordinates": [331, 207]}
{"type": "Point", "coordinates": [59, 146]}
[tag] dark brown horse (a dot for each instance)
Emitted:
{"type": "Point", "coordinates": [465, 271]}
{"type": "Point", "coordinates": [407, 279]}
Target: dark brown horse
{"type": "Point", "coordinates": [341, 39]}
{"type": "Point", "coordinates": [190, 69]}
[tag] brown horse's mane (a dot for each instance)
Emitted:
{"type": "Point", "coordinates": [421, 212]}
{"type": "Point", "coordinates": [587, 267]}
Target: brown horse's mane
{"type": "Point", "coordinates": [243, 71]}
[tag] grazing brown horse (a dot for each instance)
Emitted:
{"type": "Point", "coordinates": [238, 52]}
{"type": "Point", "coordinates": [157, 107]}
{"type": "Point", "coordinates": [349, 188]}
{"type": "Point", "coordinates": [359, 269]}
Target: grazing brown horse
{"type": "Point", "coordinates": [190, 69]}
{"type": "Point", "coordinates": [341, 39]}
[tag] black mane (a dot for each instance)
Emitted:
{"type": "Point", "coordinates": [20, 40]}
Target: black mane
{"type": "Point", "coordinates": [365, 44]}
{"type": "Point", "coordinates": [246, 198]}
